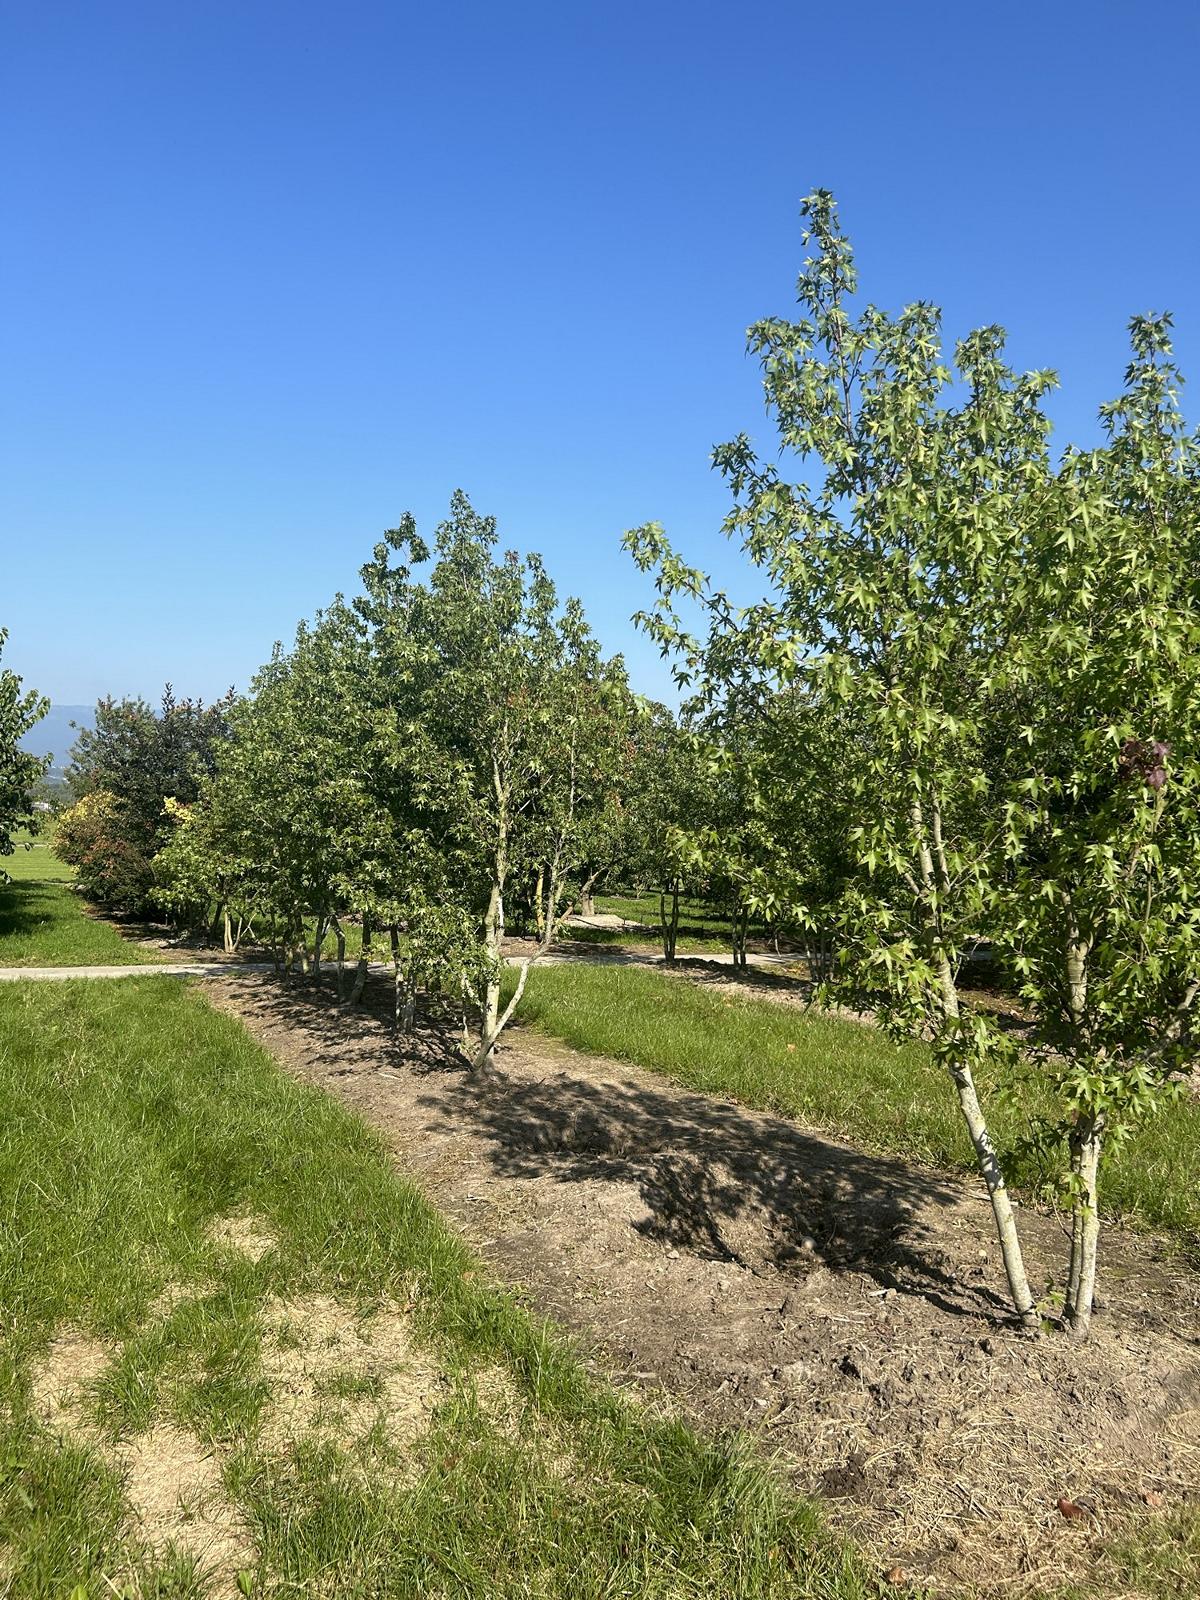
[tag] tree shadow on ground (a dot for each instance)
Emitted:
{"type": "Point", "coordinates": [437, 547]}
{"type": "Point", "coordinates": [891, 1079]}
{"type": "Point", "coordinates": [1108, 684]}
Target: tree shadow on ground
{"type": "Point", "coordinates": [344, 1045]}
{"type": "Point", "coordinates": [717, 1180]}
{"type": "Point", "coordinates": [26, 904]}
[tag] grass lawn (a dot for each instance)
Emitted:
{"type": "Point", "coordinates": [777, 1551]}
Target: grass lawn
{"type": "Point", "coordinates": [33, 860]}
{"type": "Point", "coordinates": [837, 1075]}
{"type": "Point", "coordinates": [43, 924]}
{"type": "Point", "coordinates": [702, 929]}
{"type": "Point", "coordinates": [214, 1284]}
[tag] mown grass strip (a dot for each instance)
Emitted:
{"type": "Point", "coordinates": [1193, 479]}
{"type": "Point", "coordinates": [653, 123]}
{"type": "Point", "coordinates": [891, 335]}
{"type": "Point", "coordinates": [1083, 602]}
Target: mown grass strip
{"type": "Point", "coordinates": [841, 1076]}
{"type": "Point", "coordinates": [34, 861]}
{"type": "Point", "coordinates": [132, 1117]}
{"type": "Point", "coordinates": [44, 924]}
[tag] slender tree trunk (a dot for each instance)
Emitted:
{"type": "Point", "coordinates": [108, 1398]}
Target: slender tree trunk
{"type": "Point", "coordinates": [1002, 1211]}
{"type": "Point", "coordinates": [1085, 1229]}
{"type": "Point", "coordinates": [364, 961]}
{"type": "Point", "coordinates": [670, 924]}
{"type": "Point", "coordinates": [484, 1058]}
{"type": "Point", "coordinates": [493, 934]}
{"type": "Point", "coordinates": [340, 936]}
{"type": "Point", "coordinates": [933, 880]}
{"type": "Point", "coordinates": [587, 898]}
{"type": "Point", "coordinates": [539, 908]}
{"type": "Point", "coordinates": [1086, 1139]}
{"type": "Point", "coordinates": [319, 933]}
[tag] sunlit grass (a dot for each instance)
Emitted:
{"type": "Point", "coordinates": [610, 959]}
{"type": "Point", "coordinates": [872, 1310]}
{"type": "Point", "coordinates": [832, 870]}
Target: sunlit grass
{"type": "Point", "coordinates": [34, 860]}
{"type": "Point", "coordinates": [131, 1117]}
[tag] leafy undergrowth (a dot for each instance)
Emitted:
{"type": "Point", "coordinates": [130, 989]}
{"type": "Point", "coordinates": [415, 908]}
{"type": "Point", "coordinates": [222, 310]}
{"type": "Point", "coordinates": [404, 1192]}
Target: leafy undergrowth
{"type": "Point", "coordinates": [234, 1340]}
{"type": "Point", "coordinates": [44, 924]}
{"type": "Point", "coordinates": [840, 1076]}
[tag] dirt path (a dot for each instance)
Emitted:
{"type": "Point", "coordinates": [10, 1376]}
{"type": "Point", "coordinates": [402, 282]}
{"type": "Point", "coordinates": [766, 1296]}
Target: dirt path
{"type": "Point", "coordinates": [844, 1307]}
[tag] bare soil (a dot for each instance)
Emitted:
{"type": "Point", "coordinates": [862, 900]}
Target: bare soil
{"type": "Point", "coordinates": [845, 1308]}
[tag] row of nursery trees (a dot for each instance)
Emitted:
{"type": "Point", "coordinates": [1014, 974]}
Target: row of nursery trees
{"type": "Point", "coordinates": [964, 721]}
{"type": "Point", "coordinates": [445, 760]}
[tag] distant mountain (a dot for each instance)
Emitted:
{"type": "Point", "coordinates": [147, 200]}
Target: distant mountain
{"type": "Point", "coordinates": [54, 735]}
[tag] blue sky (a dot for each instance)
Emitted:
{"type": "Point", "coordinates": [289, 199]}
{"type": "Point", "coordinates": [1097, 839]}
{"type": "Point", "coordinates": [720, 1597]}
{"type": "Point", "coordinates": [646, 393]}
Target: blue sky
{"type": "Point", "coordinates": [274, 273]}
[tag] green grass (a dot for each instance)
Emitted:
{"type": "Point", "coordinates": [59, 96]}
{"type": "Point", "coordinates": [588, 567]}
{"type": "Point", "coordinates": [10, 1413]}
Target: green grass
{"type": "Point", "coordinates": [131, 1117]}
{"type": "Point", "coordinates": [45, 925]}
{"type": "Point", "coordinates": [33, 860]}
{"type": "Point", "coordinates": [703, 930]}
{"type": "Point", "coordinates": [837, 1075]}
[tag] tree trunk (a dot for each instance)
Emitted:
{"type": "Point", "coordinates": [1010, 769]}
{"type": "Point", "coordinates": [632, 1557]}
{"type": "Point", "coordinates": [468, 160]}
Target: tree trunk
{"type": "Point", "coordinates": [493, 934]}
{"type": "Point", "coordinates": [670, 925]}
{"type": "Point", "coordinates": [1085, 1227]}
{"type": "Point", "coordinates": [539, 907]}
{"type": "Point", "coordinates": [226, 930]}
{"type": "Point", "coordinates": [341, 957]}
{"type": "Point", "coordinates": [1002, 1211]}
{"type": "Point", "coordinates": [968, 1099]}
{"type": "Point", "coordinates": [741, 927]}
{"type": "Point", "coordinates": [485, 1056]}
{"type": "Point", "coordinates": [364, 961]}
{"type": "Point", "coordinates": [321, 930]}
{"type": "Point", "coordinates": [587, 898]}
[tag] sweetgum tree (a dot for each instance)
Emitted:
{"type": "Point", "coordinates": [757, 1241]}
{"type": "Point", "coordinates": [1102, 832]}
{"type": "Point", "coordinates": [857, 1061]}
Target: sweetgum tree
{"type": "Point", "coordinates": [499, 720]}
{"type": "Point", "coordinates": [1100, 907]}
{"type": "Point", "coordinates": [896, 566]}
{"type": "Point", "coordinates": [997, 656]}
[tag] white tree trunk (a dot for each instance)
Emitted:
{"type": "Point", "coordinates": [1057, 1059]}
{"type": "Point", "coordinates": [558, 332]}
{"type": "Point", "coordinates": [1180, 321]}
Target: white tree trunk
{"type": "Point", "coordinates": [1085, 1233]}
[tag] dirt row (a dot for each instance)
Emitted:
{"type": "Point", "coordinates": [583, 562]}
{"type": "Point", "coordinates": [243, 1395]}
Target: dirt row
{"type": "Point", "coordinates": [847, 1309]}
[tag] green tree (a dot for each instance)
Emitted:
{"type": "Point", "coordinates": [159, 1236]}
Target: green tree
{"type": "Point", "coordinates": [140, 758]}
{"type": "Point", "coordinates": [499, 722]}
{"type": "Point", "coordinates": [897, 573]}
{"type": "Point", "coordinates": [20, 772]}
{"type": "Point", "coordinates": [1098, 911]}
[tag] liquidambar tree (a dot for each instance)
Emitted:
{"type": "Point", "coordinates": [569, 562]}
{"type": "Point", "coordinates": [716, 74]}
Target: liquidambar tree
{"type": "Point", "coordinates": [991, 652]}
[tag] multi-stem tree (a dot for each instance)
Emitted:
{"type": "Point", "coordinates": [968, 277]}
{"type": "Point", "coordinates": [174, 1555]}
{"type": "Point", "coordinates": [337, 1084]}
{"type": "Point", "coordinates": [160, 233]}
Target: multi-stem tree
{"type": "Point", "coordinates": [897, 577]}
{"type": "Point", "coordinates": [498, 721]}
{"type": "Point", "coordinates": [1100, 908]}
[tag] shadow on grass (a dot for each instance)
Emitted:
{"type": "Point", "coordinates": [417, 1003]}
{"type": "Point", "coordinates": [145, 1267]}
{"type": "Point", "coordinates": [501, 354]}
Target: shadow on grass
{"type": "Point", "coordinates": [27, 905]}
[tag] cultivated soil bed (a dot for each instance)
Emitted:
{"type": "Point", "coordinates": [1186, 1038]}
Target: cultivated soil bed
{"type": "Point", "coordinates": [847, 1309]}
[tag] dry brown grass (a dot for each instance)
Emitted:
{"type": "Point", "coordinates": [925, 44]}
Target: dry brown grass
{"type": "Point", "coordinates": [249, 1236]}
{"type": "Point", "coordinates": [315, 1347]}
{"type": "Point", "coordinates": [177, 1500]}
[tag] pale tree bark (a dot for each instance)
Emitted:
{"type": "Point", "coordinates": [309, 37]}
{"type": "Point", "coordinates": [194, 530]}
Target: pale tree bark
{"type": "Point", "coordinates": [493, 933]}
{"type": "Point", "coordinates": [934, 878]}
{"type": "Point", "coordinates": [340, 936]}
{"type": "Point", "coordinates": [1085, 1143]}
{"type": "Point", "coordinates": [587, 897]}
{"type": "Point", "coordinates": [322, 929]}
{"type": "Point", "coordinates": [550, 911]}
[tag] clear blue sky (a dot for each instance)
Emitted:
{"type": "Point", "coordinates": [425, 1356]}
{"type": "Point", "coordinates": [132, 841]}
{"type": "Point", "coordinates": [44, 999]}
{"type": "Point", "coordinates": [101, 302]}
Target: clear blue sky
{"type": "Point", "coordinates": [273, 273]}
